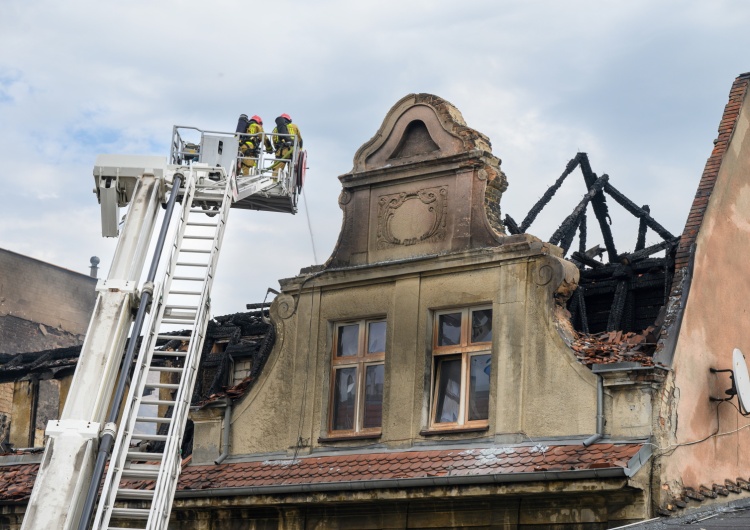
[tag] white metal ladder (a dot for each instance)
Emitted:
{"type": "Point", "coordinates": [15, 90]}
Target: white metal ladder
{"type": "Point", "coordinates": [180, 302]}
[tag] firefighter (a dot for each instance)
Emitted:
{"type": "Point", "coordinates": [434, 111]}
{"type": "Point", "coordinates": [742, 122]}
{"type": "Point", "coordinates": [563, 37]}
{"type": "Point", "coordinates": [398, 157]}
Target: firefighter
{"type": "Point", "coordinates": [285, 144]}
{"type": "Point", "coordinates": [250, 142]}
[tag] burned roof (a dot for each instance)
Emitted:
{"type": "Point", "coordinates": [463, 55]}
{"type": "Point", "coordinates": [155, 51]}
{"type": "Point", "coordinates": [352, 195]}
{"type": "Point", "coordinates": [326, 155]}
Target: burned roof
{"type": "Point", "coordinates": [247, 335]}
{"type": "Point", "coordinates": [615, 310]}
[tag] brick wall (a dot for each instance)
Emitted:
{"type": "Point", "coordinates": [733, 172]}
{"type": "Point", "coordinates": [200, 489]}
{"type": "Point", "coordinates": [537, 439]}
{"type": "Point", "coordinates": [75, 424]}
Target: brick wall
{"type": "Point", "coordinates": [711, 171]}
{"type": "Point", "coordinates": [6, 398]}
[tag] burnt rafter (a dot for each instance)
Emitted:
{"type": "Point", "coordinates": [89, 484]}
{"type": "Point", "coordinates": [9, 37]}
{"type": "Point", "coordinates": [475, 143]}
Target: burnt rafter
{"type": "Point", "coordinates": [599, 205]}
{"type": "Point", "coordinates": [541, 203]}
{"type": "Point", "coordinates": [638, 212]}
{"type": "Point", "coordinates": [573, 220]}
{"type": "Point", "coordinates": [628, 290]}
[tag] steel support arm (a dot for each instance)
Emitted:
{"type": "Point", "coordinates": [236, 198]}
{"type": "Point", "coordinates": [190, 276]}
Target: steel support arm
{"type": "Point", "coordinates": [65, 472]}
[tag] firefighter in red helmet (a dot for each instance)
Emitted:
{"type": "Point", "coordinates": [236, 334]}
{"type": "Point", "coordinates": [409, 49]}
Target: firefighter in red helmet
{"type": "Point", "coordinates": [284, 135]}
{"type": "Point", "coordinates": [250, 141]}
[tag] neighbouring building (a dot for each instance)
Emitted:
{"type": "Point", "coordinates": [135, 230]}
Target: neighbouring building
{"type": "Point", "coordinates": [42, 307]}
{"type": "Point", "coordinates": [446, 369]}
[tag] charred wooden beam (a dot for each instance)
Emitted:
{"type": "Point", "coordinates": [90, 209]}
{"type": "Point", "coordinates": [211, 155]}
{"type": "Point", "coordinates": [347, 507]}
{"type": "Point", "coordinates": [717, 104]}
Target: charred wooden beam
{"type": "Point", "coordinates": [644, 253]}
{"type": "Point", "coordinates": [582, 234]}
{"type": "Point", "coordinates": [638, 212]}
{"type": "Point", "coordinates": [583, 258]}
{"type": "Point", "coordinates": [580, 300]}
{"type": "Point", "coordinates": [599, 204]}
{"type": "Point", "coordinates": [567, 238]}
{"type": "Point", "coordinates": [572, 219]}
{"type": "Point", "coordinates": [614, 322]}
{"type": "Point", "coordinates": [511, 225]}
{"type": "Point", "coordinates": [542, 202]}
{"type": "Point", "coordinates": [640, 244]}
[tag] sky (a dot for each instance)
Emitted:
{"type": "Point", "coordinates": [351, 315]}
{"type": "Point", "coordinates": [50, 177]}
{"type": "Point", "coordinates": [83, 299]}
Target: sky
{"type": "Point", "coordinates": [639, 85]}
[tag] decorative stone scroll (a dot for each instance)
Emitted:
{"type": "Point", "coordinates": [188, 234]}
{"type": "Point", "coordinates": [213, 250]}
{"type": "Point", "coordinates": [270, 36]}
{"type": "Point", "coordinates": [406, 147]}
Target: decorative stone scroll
{"type": "Point", "coordinates": [420, 222]}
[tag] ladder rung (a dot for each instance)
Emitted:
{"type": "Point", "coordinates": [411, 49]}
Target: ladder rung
{"type": "Point", "coordinates": [152, 419]}
{"type": "Point", "coordinates": [209, 238]}
{"type": "Point", "coordinates": [165, 353]}
{"type": "Point", "coordinates": [170, 369]}
{"type": "Point", "coordinates": [151, 437]}
{"type": "Point", "coordinates": [169, 386]}
{"type": "Point", "coordinates": [192, 293]}
{"type": "Point", "coordinates": [190, 278]}
{"type": "Point", "coordinates": [173, 337]}
{"type": "Point", "coordinates": [176, 320]}
{"type": "Point", "coordinates": [188, 307]}
{"type": "Point", "coordinates": [130, 513]}
{"type": "Point", "coordinates": [146, 457]}
{"type": "Point", "coordinates": [128, 494]}
{"type": "Point", "coordinates": [191, 223]}
{"type": "Point", "coordinates": [123, 528]}
{"type": "Point", "coordinates": [195, 250]}
{"type": "Point", "coordinates": [188, 264]}
{"type": "Point", "coordinates": [155, 402]}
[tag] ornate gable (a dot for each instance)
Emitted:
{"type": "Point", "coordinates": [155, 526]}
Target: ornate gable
{"type": "Point", "coordinates": [424, 184]}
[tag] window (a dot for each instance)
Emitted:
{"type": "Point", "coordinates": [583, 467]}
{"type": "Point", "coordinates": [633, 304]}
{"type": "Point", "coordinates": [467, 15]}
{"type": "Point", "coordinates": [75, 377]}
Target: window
{"type": "Point", "coordinates": [462, 362]}
{"type": "Point", "coordinates": [357, 377]}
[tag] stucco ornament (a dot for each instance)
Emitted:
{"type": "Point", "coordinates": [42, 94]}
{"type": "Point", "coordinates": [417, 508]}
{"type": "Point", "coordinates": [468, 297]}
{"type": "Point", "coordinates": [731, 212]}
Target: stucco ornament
{"type": "Point", "coordinates": [435, 206]}
{"type": "Point", "coordinates": [344, 197]}
{"type": "Point", "coordinates": [285, 305]}
{"type": "Point", "coordinates": [560, 275]}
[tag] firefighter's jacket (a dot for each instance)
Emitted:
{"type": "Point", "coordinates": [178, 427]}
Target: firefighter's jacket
{"type": "Point", "coordinates": [293, 131]}
{"type": "Point", "coordinates": [251, 143]}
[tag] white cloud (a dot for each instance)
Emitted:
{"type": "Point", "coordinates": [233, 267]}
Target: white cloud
{"type": "Point", "coordinates": [638, 85]}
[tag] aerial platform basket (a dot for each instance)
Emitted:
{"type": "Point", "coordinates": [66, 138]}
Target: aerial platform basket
{"type": "Point", "coordinates": [270, 183]}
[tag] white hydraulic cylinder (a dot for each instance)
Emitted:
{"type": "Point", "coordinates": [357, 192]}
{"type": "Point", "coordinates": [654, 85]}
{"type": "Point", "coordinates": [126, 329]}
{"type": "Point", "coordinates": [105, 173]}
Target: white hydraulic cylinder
{"type": "Point", "coordinates": [65, 473]}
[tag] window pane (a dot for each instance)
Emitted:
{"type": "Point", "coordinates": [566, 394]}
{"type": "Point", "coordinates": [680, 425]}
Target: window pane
{"type": "Point", "coordinates": [376, 337]}
{"type": "Point", "coordinates": [448, 390]}
{"type": "Point", "coordinates": [449, 329]}
{"type": "Point", "coordinates": [348, 340]}
{"type": "Point", "coordinates": [479, 386]}
{"type": "Point", "coordinates": [481, 325]}
{"type": "Point", "coordinates": [344, 396]}
{"type": "Point", "coordinates": [373, 414]}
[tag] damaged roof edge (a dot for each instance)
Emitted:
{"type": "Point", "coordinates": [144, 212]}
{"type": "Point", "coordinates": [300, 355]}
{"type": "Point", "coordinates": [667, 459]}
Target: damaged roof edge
{"type": "Point", "coordinates": [685, 255]}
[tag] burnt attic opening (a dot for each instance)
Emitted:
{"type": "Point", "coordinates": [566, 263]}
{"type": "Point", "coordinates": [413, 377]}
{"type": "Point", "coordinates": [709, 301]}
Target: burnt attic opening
{"type": "Point", "coordinates": [627, 291]}
{"type": "Point", "coordinates": [415, 141]}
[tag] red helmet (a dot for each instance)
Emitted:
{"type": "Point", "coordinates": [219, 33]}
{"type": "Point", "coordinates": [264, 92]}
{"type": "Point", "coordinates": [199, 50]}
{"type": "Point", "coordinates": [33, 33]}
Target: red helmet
{"type": "Point", "coordinates": [257, 119]}
{"type": "Point", "coordinates": [286, 117]}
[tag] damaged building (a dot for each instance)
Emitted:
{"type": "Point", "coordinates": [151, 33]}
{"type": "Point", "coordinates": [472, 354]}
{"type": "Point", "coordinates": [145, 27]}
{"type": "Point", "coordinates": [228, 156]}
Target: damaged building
{"type": "Point", "coordinates": [446, 368]}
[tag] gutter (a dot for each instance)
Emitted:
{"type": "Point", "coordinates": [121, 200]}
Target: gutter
{"type": "Point", "coordinates": [359, 485]}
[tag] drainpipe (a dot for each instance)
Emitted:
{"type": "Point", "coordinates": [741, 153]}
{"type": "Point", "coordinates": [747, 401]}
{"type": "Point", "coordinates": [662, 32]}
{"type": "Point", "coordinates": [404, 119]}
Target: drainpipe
{"type": "Point", "coordinates": [599, 413]}
{"type": "Point", "coordinates": [227, 430]}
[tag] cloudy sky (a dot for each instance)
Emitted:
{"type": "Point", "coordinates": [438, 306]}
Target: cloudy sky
{"type": "Point", "coordinates": [638, 85]}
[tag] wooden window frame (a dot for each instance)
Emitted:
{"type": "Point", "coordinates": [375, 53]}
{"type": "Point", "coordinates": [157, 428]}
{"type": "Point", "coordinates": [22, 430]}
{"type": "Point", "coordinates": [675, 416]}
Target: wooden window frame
{"type": "Point", "coordinates": [464, 351]}
{"type": "Point", "coordinates": [361, 361]}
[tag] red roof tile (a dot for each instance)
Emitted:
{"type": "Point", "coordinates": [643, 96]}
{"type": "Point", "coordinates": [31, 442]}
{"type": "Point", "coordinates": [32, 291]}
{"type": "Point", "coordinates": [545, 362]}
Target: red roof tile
{"type": "Point", "coordinates": [16, 481]}
{"type": "Point", "coordinates": [497, 460]}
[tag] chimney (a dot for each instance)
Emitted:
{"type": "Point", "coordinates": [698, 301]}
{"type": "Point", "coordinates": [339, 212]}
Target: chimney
{"type": "Point", "coordinates": [94, 267]}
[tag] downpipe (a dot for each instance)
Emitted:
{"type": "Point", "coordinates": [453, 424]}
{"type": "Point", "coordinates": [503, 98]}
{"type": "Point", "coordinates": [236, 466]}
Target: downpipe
{"type": "Point", "coordinates": [227, 431]}
{"type": "Point", "coordinates": [107, 439]}
{"type": "Point", "coordinates": [599, 413]}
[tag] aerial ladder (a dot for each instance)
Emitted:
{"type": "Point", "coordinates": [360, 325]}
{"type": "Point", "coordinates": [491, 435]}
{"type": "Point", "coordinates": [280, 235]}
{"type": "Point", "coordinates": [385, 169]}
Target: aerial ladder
{"type": "Point", "coordinates": [132, 393]}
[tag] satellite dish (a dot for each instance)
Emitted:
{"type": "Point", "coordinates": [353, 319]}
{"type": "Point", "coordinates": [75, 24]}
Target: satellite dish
{"type": "Point", "coordinates": [741, 380]}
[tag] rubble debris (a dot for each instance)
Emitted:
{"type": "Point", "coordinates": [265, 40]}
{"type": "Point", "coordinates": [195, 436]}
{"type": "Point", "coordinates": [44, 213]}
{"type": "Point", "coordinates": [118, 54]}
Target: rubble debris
{"type": "Point", "coordinates": [616, 346]}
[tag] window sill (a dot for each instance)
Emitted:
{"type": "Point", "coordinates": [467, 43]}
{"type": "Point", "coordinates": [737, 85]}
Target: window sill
{"type": "Point", "coordinates": [452, 430]}
{"type": "Point", "coordinates": [350, 437]}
